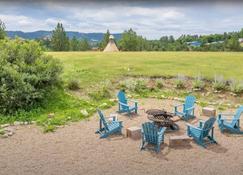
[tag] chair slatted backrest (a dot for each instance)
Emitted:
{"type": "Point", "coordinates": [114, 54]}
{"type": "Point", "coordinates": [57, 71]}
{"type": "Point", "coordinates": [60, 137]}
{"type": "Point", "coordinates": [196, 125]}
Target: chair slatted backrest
{"type": "Point", "coordinates": [208, 125]}
{"type": "Point", "coordinates": [150, 132]}
{"type": "Point", "coordinates": [102, 118]}
{"type": "Point", "coordinates": [189, 102]}
{"type": "Point", "coordinates": [122, 98]}
{"type": "Point", "coordinates": [237, 115]}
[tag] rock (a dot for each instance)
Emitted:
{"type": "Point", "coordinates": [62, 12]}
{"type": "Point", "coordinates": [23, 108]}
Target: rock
{"type": "Point", "coordinates": [17, 123]}
{"type": "Point", "coordinates": [84, 112]}
{"type": "Point", "coordinates": [12, 130]}
{"type": "Point", "coordinates": [162, 96]}
{"type": "Point", "coordinates": [10, 133]}
{"type": "Point", "coordinates": [5, 135]}
{"type": "Point", "coordinates": [207, 94]}
{"type": "Point", "coordinates": [5, 125]}
{"type": "Point", "coordinates": [103, 105]}
{"type": "Point", "coordinates": [221, 96]}
{"type": "Point", "coordinates": [197, 89]}
{"type": "Point", "coordinates": [233, 94]}
{"type": "Point", "coordinates": [113, 100]}
{"type": "Point", "coordinates": [51, 115]}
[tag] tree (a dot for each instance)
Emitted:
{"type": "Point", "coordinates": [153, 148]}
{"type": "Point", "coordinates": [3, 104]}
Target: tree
{"type": "Point", "coordinates": [232, 44]}
{"type": "Point", "coordinates": [74, 44]}
{"type": "Point", "coordinates": [105, 40]}
{"type": "Point", "coordinates": [59, 40]}
{"type": "Point", "coordinates": [27, 75]}
{"type": "Point", "coordinates": [129, 41]}
{"type": "Point", "coordinates": [2, 30]}
{"type": "Point", "coordinates": [84, 45]}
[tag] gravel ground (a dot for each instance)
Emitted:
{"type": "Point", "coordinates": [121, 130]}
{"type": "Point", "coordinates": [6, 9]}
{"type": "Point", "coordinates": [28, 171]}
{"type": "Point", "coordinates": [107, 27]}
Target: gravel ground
{"type": "Point", "coordinates": [75, 149]}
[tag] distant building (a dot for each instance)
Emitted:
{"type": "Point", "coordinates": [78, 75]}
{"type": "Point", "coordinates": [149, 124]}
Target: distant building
{"type": "Point", "coordinates": [215, 42]}
{"type": "Point", "coordinates": [194, 43]}
{"type": "Point", "coordinates": [241, 40]}
{"type": "Point", "coordinates": [47, 37]}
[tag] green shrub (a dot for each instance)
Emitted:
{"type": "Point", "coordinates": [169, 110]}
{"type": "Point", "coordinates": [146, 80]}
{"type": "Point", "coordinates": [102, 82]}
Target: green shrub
{"type": "Point", "coordinates": [236, 86]}
{"type": "Point", "coordinates": [180, 82]}
{"type": "Point", "coordinates": [219, 83]}
{"type": "Point", "coordinates": [198, 83]}
{"type": "Point", "coordinates": [140, 86]}
{"type": "Point", "coordinates": [26, 75]}
{"type": "Point", "coordinates": [73, 85]}
{"type": "Point", "coordinates": [159, 83]}
{"type": "Point", "coordinates": [100, 94]}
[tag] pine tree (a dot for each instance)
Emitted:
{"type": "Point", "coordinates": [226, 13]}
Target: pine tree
{"type": "Point", "coordinates": [74, 44]}
{"type": "Point", "coordinates": [84, 45]}
{"type": "Point", "coordinates": [59, 40]}
{"type": "Point", "coordinates": [105, 40]}
{"type": "Point", "coordinates": [2, 30]}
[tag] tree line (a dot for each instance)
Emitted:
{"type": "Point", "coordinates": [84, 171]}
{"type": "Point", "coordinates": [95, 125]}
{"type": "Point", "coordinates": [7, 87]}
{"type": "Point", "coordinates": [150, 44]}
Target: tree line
{"type": "Point", "coordinates": [131, 41]}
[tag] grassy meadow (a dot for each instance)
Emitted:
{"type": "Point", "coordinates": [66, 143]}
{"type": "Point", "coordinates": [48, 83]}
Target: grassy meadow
{"type": "Point", "coordinates": [90, 69]}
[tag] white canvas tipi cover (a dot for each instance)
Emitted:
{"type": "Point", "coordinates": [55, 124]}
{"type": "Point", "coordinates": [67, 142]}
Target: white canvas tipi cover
{"type": "Point", "coordinates": [111, 46]}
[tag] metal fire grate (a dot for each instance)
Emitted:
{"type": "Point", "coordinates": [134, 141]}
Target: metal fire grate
{"type": "Point", "coordinates": [162, 118]}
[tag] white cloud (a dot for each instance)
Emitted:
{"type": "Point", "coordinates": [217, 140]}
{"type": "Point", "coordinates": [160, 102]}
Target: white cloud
{"type": "Point", "coordinates": [151, 22]}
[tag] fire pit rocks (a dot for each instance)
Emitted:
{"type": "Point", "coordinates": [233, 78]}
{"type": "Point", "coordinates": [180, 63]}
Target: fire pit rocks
{"type": "Point", "coordinates": [162, 118]}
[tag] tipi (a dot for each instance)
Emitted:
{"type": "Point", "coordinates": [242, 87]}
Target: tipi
{"type": "Point", "coordinates": [111, 46]}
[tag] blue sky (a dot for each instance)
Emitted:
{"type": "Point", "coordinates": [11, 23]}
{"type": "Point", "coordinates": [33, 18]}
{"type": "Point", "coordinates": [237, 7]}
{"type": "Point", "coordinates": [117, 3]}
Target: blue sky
{"type": "Point", "coordinates": [152, 20]}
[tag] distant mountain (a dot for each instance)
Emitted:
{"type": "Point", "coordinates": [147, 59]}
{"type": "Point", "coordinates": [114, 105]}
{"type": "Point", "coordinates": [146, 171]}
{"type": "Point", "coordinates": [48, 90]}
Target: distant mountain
{"type": "Point", "coordinates": [95, 37]}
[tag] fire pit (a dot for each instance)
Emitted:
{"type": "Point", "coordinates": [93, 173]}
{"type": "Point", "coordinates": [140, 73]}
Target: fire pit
{"type": "Point", "coordinates": [162, 118]}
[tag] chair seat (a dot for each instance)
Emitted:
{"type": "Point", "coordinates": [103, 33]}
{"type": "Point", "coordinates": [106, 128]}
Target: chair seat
{"type": "Point", "coordinates": [113, 125]}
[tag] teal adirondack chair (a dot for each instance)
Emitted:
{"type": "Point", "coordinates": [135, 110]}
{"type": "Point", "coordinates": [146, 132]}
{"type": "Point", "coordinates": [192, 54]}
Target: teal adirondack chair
{"type": "Point", "coordinates": [187, 108]}
{"type": "Point", "coordinates": [106, 128]}
{"type": "Point", "coordinates": [123, 105]}
{"type": "Point", "coordinates": [234, 125]}
{"type": "Point", "coordinates": [199, 133]}
{"type": "Point", "coordinates": [153, 135]}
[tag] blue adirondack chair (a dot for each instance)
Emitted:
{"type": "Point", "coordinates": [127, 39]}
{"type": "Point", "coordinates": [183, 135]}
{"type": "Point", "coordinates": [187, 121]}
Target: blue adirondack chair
{"type": "Point", "coordinates": [123, 105]}
{"type": "Point", "coordinates": [187, 108]}
{"type": "Point", "coordinates": [234, 125]}
{"type": "Point", "coordinates": [106, 128]}
{"type": "Point", "coordinates": [153, 135]}
{"type": "Point", "coordinates": [199, 133]}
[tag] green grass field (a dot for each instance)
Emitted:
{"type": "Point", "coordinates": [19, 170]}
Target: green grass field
{"type": "Point", "coordinates": [92, 67]}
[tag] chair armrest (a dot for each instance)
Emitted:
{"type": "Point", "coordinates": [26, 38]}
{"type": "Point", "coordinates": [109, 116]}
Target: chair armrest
{"type": "Point", "coordinates": [134, 101]}
{"type": "Point", "coordinates": [123, 104]}
{"type": "Point", "coordinates": [161, 130]}
{"type": "Point", "coordinates": [190, 108]}
{"type": "Point", "coordinates": [194, 127]}
{"type": "Point", "coordinates": [226, 114]}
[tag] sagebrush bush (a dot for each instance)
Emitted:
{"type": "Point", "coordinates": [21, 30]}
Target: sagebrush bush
{"type": "Point", "coordinates": [198, 83]}
{"type": "Point", "coordinates": [219, 83]}
{"type": "Point", "coordinates": [100, 94]}
{"type": "Point", "coordinates": [73, 85]}
{"type": "Point", "coordinates": [180, 81]}
{"type": "Point", "coordinates": [140, 86]}
{"type": "Point", "coordinates": [236, 86]}
{"type": "Point", "coordinates": [26, 75]}
{"type": "Point", "coordinates": [159, 83]}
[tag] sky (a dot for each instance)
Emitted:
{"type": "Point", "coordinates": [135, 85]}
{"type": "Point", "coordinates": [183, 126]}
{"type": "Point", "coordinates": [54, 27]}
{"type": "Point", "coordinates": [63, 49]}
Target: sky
{"type": "Point", "coordinates": [151, 19]}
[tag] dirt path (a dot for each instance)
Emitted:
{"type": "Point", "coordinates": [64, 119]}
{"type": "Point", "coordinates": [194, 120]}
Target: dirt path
{"type": "Point", "coordinates": [75, 149]}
